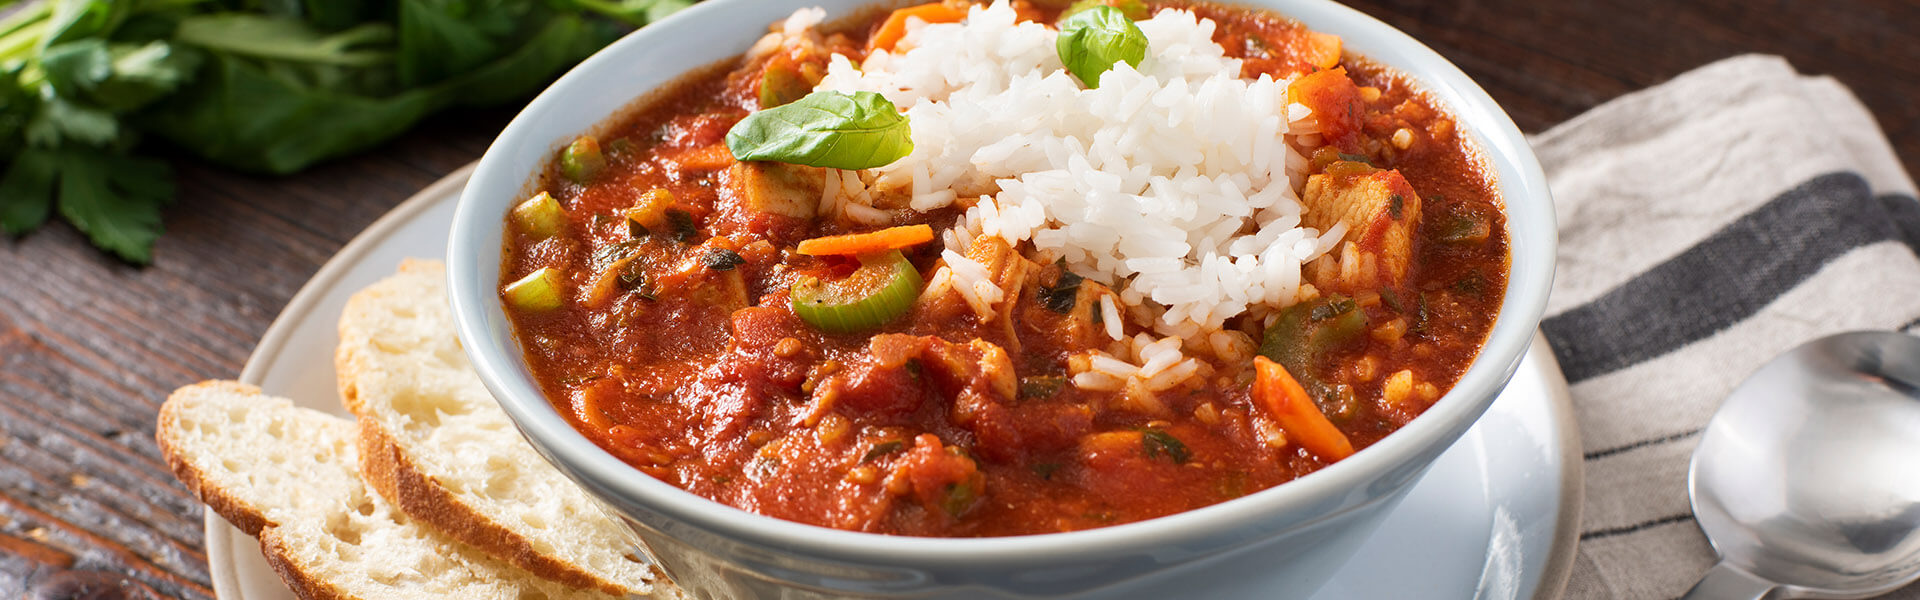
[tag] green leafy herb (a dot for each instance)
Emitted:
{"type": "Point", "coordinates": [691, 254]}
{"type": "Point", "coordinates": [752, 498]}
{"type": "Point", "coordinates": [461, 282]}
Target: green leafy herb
{"type": "Point", "coordinates": [1046, 469]}
{"type": "Point", "coordinates": [830, 129]}
{"type": "Point", "coordinates": [1060, 297]}
{"type": "Point", "coordinates": [960, 497]}
{"type": "Point", "coordinates": [1396, 205]}
{"type": "Point", "coordinates": [635, 12]}
{"type": "Point", "coordinates": [1334, 306]}
{"type": "Point", "coordinates": [1420, 316]}
{"type": "Point", "coordinates": [1471, 285]}
{"type": "Point", "coordinates": [1160, 444]}
{"type": "Point", "coordinates": [270, 86]}
{"type": "Point", "coordinates": [1392, 300]}
{"type": "Point", "coordinates": [1465, 227]}
{"type": "Point", "coordinates": [633, 278]}
{"type": "Point", "coordinates": [114, 199]}
{"type": "Point", "coordinates": [606, 256]}
{"type": "Point", "coordinates": [882, 449]}
{"type": "Point", "coordinates": [1134, 9]}
{"type": "Point", "coordinates": [684, 229]}
{"type": "Point", "coordinates": [1093, 40]}
{"type": "Point", "coordinates": [1359, 158]}
{"type": "Point", "coordinates": [1041, 386]}
{"type": "Point", "coordinates": [722, 259]}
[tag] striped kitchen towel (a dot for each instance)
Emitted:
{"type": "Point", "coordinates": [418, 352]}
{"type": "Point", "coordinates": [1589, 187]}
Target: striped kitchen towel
{"type": "Point", "coordinates": [1707, 225]}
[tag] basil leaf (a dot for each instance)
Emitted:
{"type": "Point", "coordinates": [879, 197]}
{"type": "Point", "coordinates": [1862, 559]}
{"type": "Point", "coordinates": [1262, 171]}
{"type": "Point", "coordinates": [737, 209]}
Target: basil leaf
{"type": "Point", "coordinates": [1134, 9]}
{"type": "Point", "coordinates": [830, 129]}
{"type": "Point", "coordinates": [1092, 40]}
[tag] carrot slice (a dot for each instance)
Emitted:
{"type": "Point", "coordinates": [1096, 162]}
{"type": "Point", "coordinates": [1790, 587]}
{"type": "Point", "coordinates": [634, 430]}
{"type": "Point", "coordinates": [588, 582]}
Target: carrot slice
{"type": "Point", "coordinates": [1336, 104]}
{"type": "Point", "coordinates": [895, 27]}
{"type": "Point", "coordinates": [708, 158]}
{"type": "Point", "coordinates": [1322, 49]}
{"type": "Point", "coordinates": [1284, 400]}
{"type": "Point", "coordinates": [891, 238]}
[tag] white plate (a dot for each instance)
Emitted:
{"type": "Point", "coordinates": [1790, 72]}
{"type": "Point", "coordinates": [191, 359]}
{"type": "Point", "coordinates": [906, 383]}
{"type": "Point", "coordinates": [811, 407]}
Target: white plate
{"type": "Point", "coordinates": [1495, 518]}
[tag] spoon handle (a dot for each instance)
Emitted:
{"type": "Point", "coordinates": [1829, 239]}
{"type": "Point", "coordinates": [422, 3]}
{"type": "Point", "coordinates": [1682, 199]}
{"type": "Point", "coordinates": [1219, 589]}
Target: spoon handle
{"type": "Point", "coordinates": [1727, 582]}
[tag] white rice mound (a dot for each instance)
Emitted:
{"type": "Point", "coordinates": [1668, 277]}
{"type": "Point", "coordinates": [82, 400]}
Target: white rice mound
{"type": "Point", "coordinates": [1174, 183]}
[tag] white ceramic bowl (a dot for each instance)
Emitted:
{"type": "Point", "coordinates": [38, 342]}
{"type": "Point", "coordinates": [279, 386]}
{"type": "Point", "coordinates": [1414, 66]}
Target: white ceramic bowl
{"type": "Point", "coordinates": [1299, 531]}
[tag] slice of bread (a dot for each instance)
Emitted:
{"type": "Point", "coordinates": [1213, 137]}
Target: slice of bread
{"type": "Point", "coordinates": [434, 442]}
{"type": "Point", "coordinates": [287, 475]}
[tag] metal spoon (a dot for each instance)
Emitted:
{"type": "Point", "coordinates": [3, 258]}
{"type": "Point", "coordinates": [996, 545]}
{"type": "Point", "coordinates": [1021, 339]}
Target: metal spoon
{"type": "Point", "coordinates": [1807, 480]}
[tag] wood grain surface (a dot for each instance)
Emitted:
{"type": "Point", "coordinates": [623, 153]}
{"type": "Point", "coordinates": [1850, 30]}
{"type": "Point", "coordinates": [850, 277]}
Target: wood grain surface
{"type": "Point", "coordinates": [89, 347]}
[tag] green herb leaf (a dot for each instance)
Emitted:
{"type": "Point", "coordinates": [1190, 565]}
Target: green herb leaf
{"type": "Point", "coordinates": [1046, 469]}
{"type": "Point", "coordinates": [60, 120]}
{"type": "Point", "coordinates": [144, 73]}
{"type": "Point", "coordinates": [17, 106]}
{"type": "Point", "coordinates": [882, 449]}
{"type": "Point", "coordinates": [830, 129]}
{"type": "Point", "coordinates": [1392, 300]}
{"type": "Point", "coordinates": [1062, 295]}
{"type": "Point", "coordinates": [1160, 444]}
{"type": "Point", "coordinates": [278, 39]}
{"type": "Point", "coordinates": [118, 77]}
{"type": "Point", "coordinates": [1134, 9]}
{"type": "Point", "coordinates": [633, 278]}
{"type": "Point", "coordinates": [116, 201]}
{"type": "Point", "coordinates": [1093, 40]}
{"type": "Point", "coordinates": [1036, 387]}
{"type": "Point", "coordinates": [610, 254]}
{"type": "Point", "coordinates": [1334, 306]}
{"type": "Point", "coordinates": [26, 191]}
{"type": "Point", "coordinates": [253, 115]}
{"type": "Point", "coordinates": [443, 38]}
{"type": "Point", "coordinates": [684, 229]}
{"type": "Point", "coordinates": [80, 19]}
{"type": "Point", "coordinates": [73, 68]}
{"type": "Point", "coordinates": [960, 497]}
{"type": "Point", "coordinates": [635, 12]}
{"type": "Point", "coordinates": [722, 259]}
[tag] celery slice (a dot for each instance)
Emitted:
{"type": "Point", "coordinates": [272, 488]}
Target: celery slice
{"type": "Point", "coordinates": [881, 290]}
{"type": "Point", "coordinates": [539, 291]}
{"type": "Point", "coordinates": [540, 216]}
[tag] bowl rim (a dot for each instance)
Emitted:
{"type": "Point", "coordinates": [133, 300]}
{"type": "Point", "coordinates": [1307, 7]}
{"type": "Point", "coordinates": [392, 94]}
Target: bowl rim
{"type": "Point", "coordinates": [475, 240]}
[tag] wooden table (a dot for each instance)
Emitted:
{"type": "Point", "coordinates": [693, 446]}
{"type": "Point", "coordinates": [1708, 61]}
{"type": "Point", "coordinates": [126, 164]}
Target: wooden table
{"type": "Point", "coordinates": [89, 347]}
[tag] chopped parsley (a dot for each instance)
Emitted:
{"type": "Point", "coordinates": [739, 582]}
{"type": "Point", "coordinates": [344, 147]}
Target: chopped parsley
{"type": "Point", "coordinates": [722, 259]}
{"type": "Point", "coordinates": [1060, 297]}
{"type": "Point", "coordinates": [1160, 444]}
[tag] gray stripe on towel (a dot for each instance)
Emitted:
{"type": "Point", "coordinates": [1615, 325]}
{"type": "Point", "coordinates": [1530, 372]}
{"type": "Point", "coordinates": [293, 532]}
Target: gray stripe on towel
{"type": "Point", "coordinates": [1729, 275]}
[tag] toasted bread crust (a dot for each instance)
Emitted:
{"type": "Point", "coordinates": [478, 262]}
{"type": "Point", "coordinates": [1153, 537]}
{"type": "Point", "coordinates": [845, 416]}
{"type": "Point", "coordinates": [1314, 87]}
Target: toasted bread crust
{"type": "Point", "coordinates": [388, 458]}
{"type": "Point", "coordinates": [222, 503]}
{"type": "Point", "coordinates": [298, 576]}
{"type": "Point", "coordinates": [304, 583]}
{"type": "Point", "coordinates": [386, 468]}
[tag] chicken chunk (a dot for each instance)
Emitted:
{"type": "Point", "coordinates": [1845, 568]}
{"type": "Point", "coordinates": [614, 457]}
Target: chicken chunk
{"type": "Point", "coordinates": [978, 380]}
{"type": "Point", "coordinates": [778, 188]}
{"type": "Point", "coordinates": [1381, 212]}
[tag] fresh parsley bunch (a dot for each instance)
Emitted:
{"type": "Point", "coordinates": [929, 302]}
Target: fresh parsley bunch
{"type": "Point", "coordinates": [264, 85]}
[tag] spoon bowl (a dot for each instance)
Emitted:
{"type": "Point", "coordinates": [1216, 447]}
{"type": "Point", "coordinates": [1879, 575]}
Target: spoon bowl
{"type": "Point", "coordinates": [1807, 480]}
